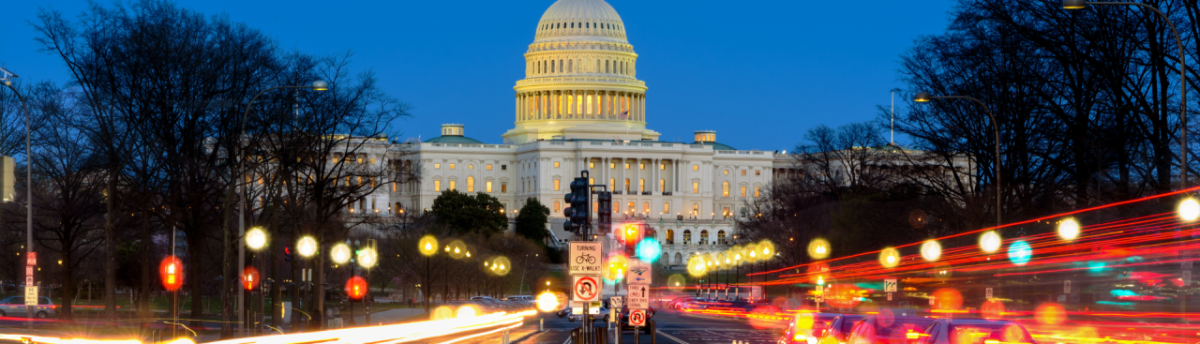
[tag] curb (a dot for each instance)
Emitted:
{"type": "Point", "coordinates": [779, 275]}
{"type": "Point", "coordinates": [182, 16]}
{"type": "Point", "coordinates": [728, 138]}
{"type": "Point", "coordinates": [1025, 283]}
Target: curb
{"type": "Point", "coordinates": [521, 338]}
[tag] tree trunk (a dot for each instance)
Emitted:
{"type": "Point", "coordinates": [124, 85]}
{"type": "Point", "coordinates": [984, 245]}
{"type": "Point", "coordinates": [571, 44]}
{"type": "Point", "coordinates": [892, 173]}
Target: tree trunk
{"type": "Point", "coordinates": [110, 249]}
{"type": "Point", "coordinates": [68, 286]}
{"type": "Point", "coordinates": [143, 305]}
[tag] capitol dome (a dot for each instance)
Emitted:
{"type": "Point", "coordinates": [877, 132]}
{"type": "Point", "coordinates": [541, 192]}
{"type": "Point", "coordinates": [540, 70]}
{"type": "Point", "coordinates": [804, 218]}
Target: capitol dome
{"type": "Point", "coordinates": [580, 78]}
{"type": "Point", "coordinates": [594, 19]}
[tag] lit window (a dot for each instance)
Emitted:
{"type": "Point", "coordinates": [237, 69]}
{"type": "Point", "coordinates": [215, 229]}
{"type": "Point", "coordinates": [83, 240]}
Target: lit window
{"type": "Point", "coordinates": [666, 208]}
{"type": "Point", "coordinates": [743, 192]}
{"type": "Point", "coordinates": [470, 184]}
{"type": "Point", "coordinates": [591, 181]}
{"type": "Point", "coordinates": [626, 166]}
{"type": "Point", "coordinates": [591, 165]}
{"type": "Point", "coordinates": [695, 187]}
{"type": "Point", "coordinates": [756, 192]}
{"type": "Point", "coordinates": [632, 206]}
{"type": "Point", "coordinates": [725, 189]}
{"type": "Point", "coordinates": [360, 159]}
{"type": "Point", "coordinates": [641, 166]}
{"type": "Point", "coordinates": [488, 167]}
{"type": "Point", "coordinates": [662, 185]}
{"type": "Point", "coordinates": [556, 185]}
{"type": "Point", "coordinates": [452, 185]}
{"type": "Point", "coordinates": [627, 189]}
{"type": "Point", "coordinates": [726, 171]}
{"type": "Point", "coordinates": [488, 186]}
{"type": "Point", "coordinates": [452, 167]}
{"type": "Point", "coordinates": [695, 167]}
{"type": "Point", "coordinates": [743, 172]}
{"type": "Point", "coordinates": [645, 207]}
{"type": "Point", "coordinates": [725, 212]}
{"type": "Point", "coordinates": [471, 166]}
{"type": "Point", "coordinates": [556, 164]}
{"type": "Point", "coordinates": [758, 172]}
{"type": "Point", "coordinates": [556, 205]}
{"type": "Point", "coordinates": [695, 208]}
{"type": "Point", "coordinates": [372, 163]}
{"type": "Point", "coordinates": [437, 185]}
{"type": "Point", "coordinates": [662, 166]}
{"type": "Point", "coordinates": [641, 185]}
{"type": "Point", "coordinates": [616, 207]}
{"type": "Point", "coordinates": [437, 165]}
{"type": "Point", "coordinates": [503, 187]}
{"type": "Point", "coordinates": [612, 182]}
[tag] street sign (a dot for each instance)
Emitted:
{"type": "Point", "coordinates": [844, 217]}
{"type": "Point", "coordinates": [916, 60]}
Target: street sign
{"type": "Point", "coordinates": [890, 285]}
{"type": "Point", "coordinates": [31, 259]}
{"type": "Point", "coordinates": [577, 308]}
{"type": "Point", "coordinates": [586, 288]}
{"type": "Point", "coordinates": [987, 293]}
{"type": "Point", "coordinates": [584, 258]}
{"type": "Point", "coordinates": [637, 317]}
{"type": "Point", "coordinates": [616, 302]}
{"type": "Point", "coordinates": [1067, 287]}
{"type": "Point", "coordinates": [640, 272]}
{"type": "Point", "coordinates": [639, 296]}
{"type": "Point", "coordinates": [31, 298]}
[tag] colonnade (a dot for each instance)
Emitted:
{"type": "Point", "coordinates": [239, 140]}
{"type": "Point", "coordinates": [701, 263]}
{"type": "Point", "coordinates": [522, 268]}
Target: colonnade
{"type": "Point", "coordinates": [581, 104]}
{"type": "Point", "coordinates": [618, 174]}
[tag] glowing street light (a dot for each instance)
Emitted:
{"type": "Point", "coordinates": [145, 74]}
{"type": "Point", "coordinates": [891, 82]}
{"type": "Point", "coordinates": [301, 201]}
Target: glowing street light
{"type": "Point", "coordinates": [367, 258]}
{"type": "Point", "coordinates": [889, 257]}
{"type": "Point", "coordinates": [931, 250]}
{"type": "Point", "coordinates": [1189, 209]}
{"type": "Point", "coordinates": [428, 245]}
{"type": "Point", "coordinates": [819, 249]}
{"type": "Point", "coordinates": [307, 246]}
{"type": "Point", "coordinates": [1068, 229]}
{"type": "Point", "coordinates": [256, 238]}
{"type": "Point", "coordinates": [990, 242]}
{"type": "Point", "coordinates": [340, 253]}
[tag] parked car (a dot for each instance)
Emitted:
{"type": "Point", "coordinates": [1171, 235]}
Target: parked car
{"type": "Point", "coordinates": [889, 329]}
{"type": "Point", "coordinates": [14, 306]}
{"type": "Point", "coordinates": [975, 331]}
{"type": "Point", "coordinates": [839, 329]}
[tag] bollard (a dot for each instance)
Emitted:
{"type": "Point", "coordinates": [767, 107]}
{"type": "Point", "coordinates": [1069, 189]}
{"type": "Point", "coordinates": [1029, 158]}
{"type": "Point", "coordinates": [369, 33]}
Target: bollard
{"type": "Point", "coordinates": [541, 325]}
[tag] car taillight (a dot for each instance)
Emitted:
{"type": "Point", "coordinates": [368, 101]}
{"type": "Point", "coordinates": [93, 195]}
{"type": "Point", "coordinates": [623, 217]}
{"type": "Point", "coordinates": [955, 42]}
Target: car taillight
{"type": "Point", "coordinates": [991, 341]}
{"type": "Point", "coordinates": [801, 338]}
{"type": "Point", "coordinates": [913, 335]}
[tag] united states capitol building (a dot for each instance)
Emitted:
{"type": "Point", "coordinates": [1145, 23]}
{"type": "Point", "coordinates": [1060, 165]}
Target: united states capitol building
{"type": "Point", "coordinates": [581, 107]}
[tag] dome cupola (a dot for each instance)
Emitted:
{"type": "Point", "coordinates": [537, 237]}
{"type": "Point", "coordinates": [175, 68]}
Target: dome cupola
{"type": "Point", "coordinates": [594, 19]}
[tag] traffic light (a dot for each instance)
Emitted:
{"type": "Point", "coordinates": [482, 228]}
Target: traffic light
{"type": "Point", "coordinates": [577, 212]}
{"type": "Point", "coordinates": [171, 272]}
{"type": "Point", "coordinates": [604, 212]}
{"type": "Point", "coordinates": [632, 235]}
{"type": "Point", "coordinates": [287, 254]}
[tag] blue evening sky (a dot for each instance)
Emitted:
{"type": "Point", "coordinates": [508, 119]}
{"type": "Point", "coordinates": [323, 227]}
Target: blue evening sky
{"type": "Point", "coordinates": [759, 72]}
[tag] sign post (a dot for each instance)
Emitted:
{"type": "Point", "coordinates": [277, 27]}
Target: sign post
{"type": "Point", "coordinates": [31, 289]}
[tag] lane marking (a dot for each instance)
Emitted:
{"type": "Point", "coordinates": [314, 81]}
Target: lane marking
{"type": "Point", "coordinates": [677, 340]}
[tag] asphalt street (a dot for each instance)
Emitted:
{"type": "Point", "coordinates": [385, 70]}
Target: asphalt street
{"type": "Point", "coordinates": [672, 328]}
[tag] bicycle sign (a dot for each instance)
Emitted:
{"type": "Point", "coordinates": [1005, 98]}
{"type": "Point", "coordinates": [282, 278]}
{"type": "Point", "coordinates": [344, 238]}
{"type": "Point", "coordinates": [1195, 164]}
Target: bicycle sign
{"type": "Point", "coordinates": [585, 257]}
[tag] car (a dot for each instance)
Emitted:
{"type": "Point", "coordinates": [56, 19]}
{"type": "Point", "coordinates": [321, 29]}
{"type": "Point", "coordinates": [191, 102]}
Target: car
{"type": "Point", "coordinates": [14, 306]}
{"type": "Point", "coordinates": [807, 328]}
{"type": "Point", "coordinates": [889, 328]}
{"type": "Point", "coordinates": [601, 315]}
{"type": "Point", "coordinates": [975, 331]}
{"type": "Point", "coordinates": [839, 329]}
{"type": "Point", "coordinates": [678, 302]}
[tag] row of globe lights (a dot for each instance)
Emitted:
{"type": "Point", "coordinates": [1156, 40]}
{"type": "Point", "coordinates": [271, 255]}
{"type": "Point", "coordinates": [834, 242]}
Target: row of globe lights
{"type": "Point", "coordinates": [989, 241]}
{"type": "Point", "coordinates": [256, 239]}
{"type": "Point", "coordinates": [732, 257]}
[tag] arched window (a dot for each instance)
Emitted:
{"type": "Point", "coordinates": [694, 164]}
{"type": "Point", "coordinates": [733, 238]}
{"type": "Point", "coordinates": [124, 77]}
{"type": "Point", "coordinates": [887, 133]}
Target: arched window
{"type": "Point", "coordinates": [572, 25]}
{"type": "Point", "coordinates": [571, 66]}
{"type": "Point", "coordinates": [607, 66]}
{"type": "Point", "coordinates": [721, 237]}
{"type": "Point", "coordinates": [704, 236]}
{"type": "Point", "coordinates": [678, 258]}
{"type": "Point", "coordinates": [670, 239]}
{"type": "Point", "coordinates": [552, 66]}
{"type": "Point", "coordinates": [687, 237]}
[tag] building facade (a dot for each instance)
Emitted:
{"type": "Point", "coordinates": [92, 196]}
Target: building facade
{"type": "Point", "coordinates": [580, 108]}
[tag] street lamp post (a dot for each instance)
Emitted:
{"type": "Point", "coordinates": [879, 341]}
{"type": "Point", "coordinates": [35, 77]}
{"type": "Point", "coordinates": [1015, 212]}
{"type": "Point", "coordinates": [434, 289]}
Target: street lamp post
{"type": "Point", "coordinates": [256, 239]}
{"type": "Point", "coordinates": [367, 258]}
{"type": "Point", "coordinates": [340, 253]}
{"type": "Point", "coordinates": [319, 85]}
{"type": "Point", "coordinates": [6, 79]}
{"type": "Point", "coordinates": [1183, 167]}
{"type": "Point", "coordinates": [924, 97]}
{"type": "Point", "coordinates": [428, 246]}
{"type": "Point", "coordinates": [307, 246]}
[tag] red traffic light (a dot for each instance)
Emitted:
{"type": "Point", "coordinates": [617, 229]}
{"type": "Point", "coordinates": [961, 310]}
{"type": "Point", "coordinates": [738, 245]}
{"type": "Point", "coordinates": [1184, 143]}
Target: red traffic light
{"type": "Point", "coordinates": [170, 270]}
{"type": "Point", "coordinates": [250, 278]}
{"type": "Point", "coordinates": [356, 288]}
